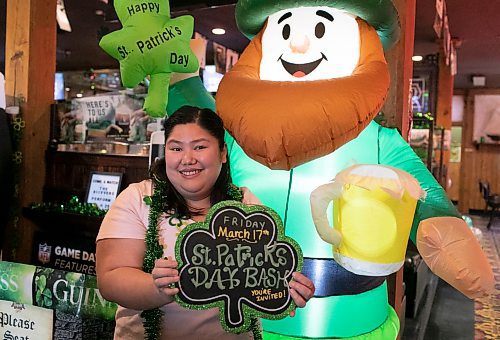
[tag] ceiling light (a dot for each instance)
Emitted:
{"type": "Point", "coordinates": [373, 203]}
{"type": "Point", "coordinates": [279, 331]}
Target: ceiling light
{"type": "Point", "coordinates": [79, 95]}
{"type": "Point", "coordinates": [218, 31]}
{"type": "Point", "coordinates": [417, 58]}
{"type": "Point", "coordinates": [62, 18]}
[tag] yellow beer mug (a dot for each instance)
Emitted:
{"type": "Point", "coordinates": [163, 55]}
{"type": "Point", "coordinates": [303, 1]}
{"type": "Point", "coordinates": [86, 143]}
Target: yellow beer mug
{"type": "Point", "coordinates": [373, 209]}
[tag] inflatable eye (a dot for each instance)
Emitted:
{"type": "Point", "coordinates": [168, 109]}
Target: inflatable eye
{"type": "Point", "coordinates": [286, 32]}
{"type": "Point", "coordinates": [319, 30]}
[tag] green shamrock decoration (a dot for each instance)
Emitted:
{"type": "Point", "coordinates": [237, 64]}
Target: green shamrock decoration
{"type": "Point", "coordinates": [151, 44]}
{"type": "Point", "coordinates": [240, 261]}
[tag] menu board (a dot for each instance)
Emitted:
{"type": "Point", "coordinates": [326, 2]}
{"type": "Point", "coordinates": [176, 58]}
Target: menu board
{"type": "Point", "coordinates": [103, 188]}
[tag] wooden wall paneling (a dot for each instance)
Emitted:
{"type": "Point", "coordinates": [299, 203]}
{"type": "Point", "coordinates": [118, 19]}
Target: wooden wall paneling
{"type": "Point", "coordinates": [466, 154]}
{"type": "Point", "coordinates": [454, 176]}
{"type": "Point", "coordinates": [397, 110]}
{"type": "Point", "coordinates": [30, 64]}
{"type": "Point", "coordinates": [454, 167]}
{"type": "Point", "coordinates": [479, 162]}
{"type": "Point", "coordinates": [397, 107]}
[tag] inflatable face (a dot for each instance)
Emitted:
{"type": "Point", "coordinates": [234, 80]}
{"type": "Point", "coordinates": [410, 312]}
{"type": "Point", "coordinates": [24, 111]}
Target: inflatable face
{"type": "Point", "coordinates": [309, 43]}
{"type": "Point", "coordinates": [283, 124]}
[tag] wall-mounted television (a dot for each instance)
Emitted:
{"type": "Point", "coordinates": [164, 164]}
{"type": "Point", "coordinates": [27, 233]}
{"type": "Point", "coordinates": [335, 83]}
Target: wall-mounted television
{"type": "Point", "coordinates": [211, 79]}
{"type": "Point", "coordinates": [59, 86]}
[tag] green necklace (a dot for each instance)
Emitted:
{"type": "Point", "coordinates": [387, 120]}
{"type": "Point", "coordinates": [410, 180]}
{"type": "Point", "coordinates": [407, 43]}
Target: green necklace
{"type": "Point", "coordinates": [154, 250]}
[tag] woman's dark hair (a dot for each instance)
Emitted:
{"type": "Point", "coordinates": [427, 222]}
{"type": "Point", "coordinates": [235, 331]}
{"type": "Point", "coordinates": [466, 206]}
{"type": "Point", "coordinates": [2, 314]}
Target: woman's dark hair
{"type": "Point", "coordinates": [209, 121]}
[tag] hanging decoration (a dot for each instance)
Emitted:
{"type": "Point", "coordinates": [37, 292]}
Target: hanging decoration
{"type": "Point", "coordinates": [153, 45]}
{"type": "Point", "coordinates": [17, 126]}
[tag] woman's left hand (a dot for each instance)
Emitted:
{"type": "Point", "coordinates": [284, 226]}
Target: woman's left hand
{"type": "Point", "coordinates": [301, 290]}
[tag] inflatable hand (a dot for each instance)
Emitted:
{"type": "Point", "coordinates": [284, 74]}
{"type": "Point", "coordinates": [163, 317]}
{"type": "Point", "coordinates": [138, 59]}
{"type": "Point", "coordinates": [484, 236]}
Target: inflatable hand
{"type": "Point", "coordinates": [452, 252]}
{"type": "Point", "coordinates": [374, 207]}
{"type": "Point", "coordinates": [151, 44]}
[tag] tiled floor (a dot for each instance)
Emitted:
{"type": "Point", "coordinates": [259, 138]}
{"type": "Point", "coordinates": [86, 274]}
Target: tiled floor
{"type": "Point", "coordinates": [453, 316]}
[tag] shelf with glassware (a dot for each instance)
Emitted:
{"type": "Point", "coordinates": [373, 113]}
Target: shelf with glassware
{"type": "Point", "coordinates": [425, 136]}
{"type": "Point", "coordinates": [421, 137]}
{"type": "Point", "coordinates": [429, 142]}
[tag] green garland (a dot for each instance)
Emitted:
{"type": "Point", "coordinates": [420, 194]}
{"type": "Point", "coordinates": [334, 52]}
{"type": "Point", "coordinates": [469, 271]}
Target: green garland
{"type": "Point", "coordinates": [73, 206]}
{"type": "Point", "coordinates": [17, 125]}
{"type": "Point", "coordinates": [154, 250]}
{"type": "Point", "coordinates": [152, 317]}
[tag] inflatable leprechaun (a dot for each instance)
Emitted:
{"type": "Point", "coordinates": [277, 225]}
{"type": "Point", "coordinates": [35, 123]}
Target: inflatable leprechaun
{"type": "Point", "coordinates": [300, 104]}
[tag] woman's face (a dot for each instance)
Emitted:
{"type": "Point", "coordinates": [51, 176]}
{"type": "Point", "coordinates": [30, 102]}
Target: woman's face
{"type": "Point", "coordinates": [193, 161]}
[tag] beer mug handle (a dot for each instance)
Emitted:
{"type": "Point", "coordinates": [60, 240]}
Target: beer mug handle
{"type": "Point", "coordinates": [320, 199]}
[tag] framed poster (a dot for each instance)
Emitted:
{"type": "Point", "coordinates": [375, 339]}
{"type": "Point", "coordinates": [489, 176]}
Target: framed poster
{"type": "Point", "coordinates": [219, 58]}
{"type": "Point", "coordinates": [103, 188]}
{"type": "Point", "coordinates": [486, 119]}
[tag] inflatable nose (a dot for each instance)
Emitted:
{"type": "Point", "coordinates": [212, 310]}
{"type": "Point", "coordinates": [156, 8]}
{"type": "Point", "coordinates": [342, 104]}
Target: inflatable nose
{"type": "Point", "coordinates": [300, 43]}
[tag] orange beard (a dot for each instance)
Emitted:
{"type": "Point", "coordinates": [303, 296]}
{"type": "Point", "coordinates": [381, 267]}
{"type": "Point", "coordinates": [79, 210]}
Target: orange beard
{"type": "Point", "coordinates": [285, 124]}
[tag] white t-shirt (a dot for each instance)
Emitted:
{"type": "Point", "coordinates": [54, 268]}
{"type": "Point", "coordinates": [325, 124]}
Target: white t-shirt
{"type": "Point", "coordinates": [128, 218]}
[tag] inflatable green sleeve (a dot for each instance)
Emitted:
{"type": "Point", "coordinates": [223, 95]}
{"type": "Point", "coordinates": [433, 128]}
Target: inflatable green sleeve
{"type": "Point", "coordinates": [399, 154]}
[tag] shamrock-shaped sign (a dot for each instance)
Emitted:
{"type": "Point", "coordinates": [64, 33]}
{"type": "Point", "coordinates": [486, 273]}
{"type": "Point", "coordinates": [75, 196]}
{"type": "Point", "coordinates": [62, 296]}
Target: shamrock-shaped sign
{"type": "Point", "coordinates": [151, 44]}
{"type": "Point", "coordinates": [239, 261]}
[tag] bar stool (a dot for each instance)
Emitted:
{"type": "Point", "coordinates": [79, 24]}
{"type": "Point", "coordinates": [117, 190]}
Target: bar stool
{"type": "Point", "coordinates": [491, 200]}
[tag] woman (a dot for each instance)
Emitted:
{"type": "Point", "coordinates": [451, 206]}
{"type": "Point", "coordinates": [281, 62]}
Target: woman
{"type": "Point", "coordinates": [193, 176]}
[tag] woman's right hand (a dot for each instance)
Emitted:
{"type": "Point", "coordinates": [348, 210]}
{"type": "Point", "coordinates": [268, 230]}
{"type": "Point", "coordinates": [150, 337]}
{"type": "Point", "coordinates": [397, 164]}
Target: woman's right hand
{"type": "Point", "coordinates": [165, 275]}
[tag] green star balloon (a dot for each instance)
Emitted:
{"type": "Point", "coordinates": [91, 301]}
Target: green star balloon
{"type": "Point", "coordinates": [151, 44]}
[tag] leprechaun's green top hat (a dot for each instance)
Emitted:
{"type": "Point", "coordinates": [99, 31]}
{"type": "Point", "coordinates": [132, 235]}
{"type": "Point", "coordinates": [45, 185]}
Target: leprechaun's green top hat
{"type": "Point", "coordinates": [380, 14]}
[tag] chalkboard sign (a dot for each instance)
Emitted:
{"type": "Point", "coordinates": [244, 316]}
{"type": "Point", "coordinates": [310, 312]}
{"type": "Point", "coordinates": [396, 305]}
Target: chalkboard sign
{"type": "Point", "coordinates": [240, 261]}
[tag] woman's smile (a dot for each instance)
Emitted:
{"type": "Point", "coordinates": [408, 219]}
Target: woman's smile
{"type": "Point", "coordinates": [190, 172]}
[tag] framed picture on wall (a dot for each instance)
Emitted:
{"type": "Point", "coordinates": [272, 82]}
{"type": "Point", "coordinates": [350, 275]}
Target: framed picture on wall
{"type": "Point", "coordinates": [103, 188]}
{"type": "Point", "coordinates": [486, 119]}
